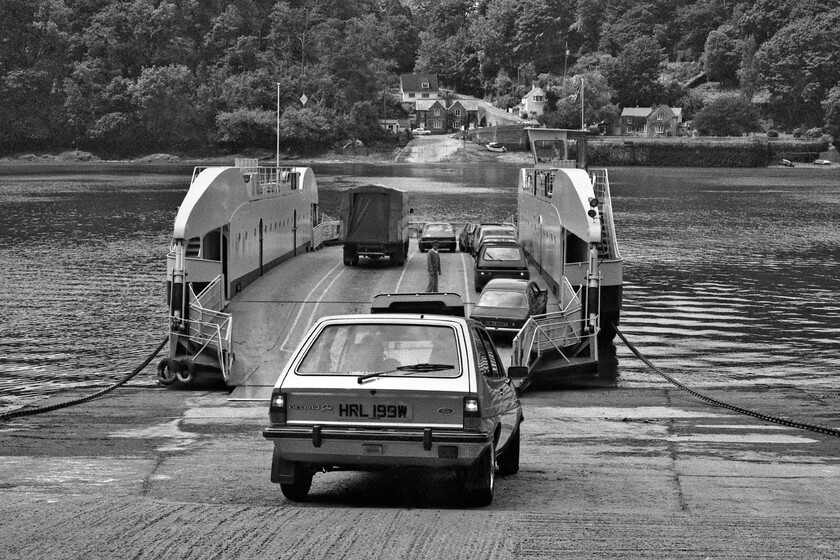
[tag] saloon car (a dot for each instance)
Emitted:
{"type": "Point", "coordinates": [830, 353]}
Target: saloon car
{"type": "Point", "coordinates": [441, 232]}
{"type": "Point", "coordinates": [492, 230]}
{"type": "Point", "coordinates": [499, 260]}
{"type": "Point", "coordinates": [367, 392]}
{"type": "Point", "coordinates": [505, 304]}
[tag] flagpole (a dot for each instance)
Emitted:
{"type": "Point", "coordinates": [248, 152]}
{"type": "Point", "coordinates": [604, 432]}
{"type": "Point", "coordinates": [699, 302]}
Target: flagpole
{"type": "Point", "coordinates": [278, 125]}
{"type": "Point", "coordinates": [582, 127]}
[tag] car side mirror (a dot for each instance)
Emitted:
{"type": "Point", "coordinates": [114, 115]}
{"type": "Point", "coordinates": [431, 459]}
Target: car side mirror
{"type": "Point", "coordinates": [517, 372]}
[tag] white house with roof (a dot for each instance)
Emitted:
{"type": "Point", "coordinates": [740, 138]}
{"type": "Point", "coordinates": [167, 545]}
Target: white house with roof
{"type": "Point", "coordinates": [533, 104]}
{"type": "Point", "coordinates": [416, 87]}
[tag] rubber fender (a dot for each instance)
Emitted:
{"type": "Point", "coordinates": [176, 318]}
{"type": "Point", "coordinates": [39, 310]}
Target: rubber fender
{"type": "Point", "coordinates": [167, 371]}
{"type": "Point", "coordinates": [186, 371]}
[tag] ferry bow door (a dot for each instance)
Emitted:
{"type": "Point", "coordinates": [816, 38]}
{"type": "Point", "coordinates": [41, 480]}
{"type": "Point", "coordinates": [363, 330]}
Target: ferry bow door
{"type": "Point", "coordinates": [261, 247]}
{"type": "Point", "coordinates": [225, 239]}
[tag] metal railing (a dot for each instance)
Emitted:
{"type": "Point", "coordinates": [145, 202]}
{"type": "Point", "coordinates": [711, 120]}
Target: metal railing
{"type": "Point", "coordinates": [552, 331]}
{"type": "Point", "coordinates": [208, 327]}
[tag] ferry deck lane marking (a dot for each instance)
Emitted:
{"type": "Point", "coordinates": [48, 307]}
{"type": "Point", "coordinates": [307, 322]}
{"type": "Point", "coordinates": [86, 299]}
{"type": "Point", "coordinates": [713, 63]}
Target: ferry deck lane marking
{"type": "Point", "coordinates": [404, 270]}
{"type": "Point", "coordinates": [317, 303]}
{"type": "Point", "coordinates": [466, 279]}
{"type": "Point", "coordinates": [292, 328]}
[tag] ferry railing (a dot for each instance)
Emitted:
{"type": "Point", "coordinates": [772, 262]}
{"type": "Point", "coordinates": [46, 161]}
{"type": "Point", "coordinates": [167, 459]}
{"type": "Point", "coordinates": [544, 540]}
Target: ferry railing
{"type": "Point", "coordinates": [554, 331]}
{"type": "Point", "coordinates": [208, 328]}
{"type": "Point", "coordinates": [601, 188]}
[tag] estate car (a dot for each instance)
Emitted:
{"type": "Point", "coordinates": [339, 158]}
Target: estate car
{"type": "Point", "coordinates": [499, 260]}
{"type": "Point", "coordinates": [365, 392]}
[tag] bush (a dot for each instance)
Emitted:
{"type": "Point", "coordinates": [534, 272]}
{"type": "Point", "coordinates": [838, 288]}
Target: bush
{"type": "Point", "coordinates": [772, 133]}
{"type": "Point", "coordinates": [813, 133]}
{"type": "Point", "coordinates": [246, 128]}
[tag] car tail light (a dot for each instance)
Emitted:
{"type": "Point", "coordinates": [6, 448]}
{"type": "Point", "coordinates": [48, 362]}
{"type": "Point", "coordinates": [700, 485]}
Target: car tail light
{"type": "Point", "coordinates": [277, 408]}
{"type": "Point", "coordinates": [472, 414]}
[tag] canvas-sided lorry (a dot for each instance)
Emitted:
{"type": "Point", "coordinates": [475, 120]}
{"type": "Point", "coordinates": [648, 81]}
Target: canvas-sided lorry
{"type": "Point", "coordinates": [375, 224]}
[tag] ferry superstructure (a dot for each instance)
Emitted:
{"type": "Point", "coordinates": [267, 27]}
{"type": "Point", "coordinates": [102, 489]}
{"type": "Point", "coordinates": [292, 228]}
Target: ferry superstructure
{"type": "Point", "coordinates": [566, 227]}
{"type": "Point", "coordinates": [234, 224]}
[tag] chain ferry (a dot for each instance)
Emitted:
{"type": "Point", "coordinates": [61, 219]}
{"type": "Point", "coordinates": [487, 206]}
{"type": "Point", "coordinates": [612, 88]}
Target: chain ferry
{"type": "Point", "coordinates": [244, 282]}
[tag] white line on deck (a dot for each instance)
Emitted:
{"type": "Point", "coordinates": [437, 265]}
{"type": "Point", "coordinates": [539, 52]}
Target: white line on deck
{"type": "Point", "coordinates": [405, 269]}
{"type": "Point", "coordinates": [290, 330]}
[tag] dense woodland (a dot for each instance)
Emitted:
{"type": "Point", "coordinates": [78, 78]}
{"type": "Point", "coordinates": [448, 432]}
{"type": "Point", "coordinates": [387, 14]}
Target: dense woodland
{"type": "Point", "coordinates": [134, 76]}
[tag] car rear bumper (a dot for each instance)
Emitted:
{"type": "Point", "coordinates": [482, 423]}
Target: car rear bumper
{"type": "Point", "coordinates": [365, 448]}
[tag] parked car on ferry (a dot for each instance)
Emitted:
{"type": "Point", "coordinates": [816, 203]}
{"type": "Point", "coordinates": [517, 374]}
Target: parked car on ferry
{"type": "Point", "coordinates": [367, 392]}
{"type": "Point", "coordinates": [441, 232]}
{"type": "Point", "coordinates": [499, 260]}
{"type": "Point", "coordinates": [465, 237]}
{"type": "Point", "coordinates": [506, 304]}
{"type": "Point", "coordinates": [496, 229]}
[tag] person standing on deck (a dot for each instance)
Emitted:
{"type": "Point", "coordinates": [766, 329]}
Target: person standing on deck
{"type": "Point", "coordinates": [433, 265]}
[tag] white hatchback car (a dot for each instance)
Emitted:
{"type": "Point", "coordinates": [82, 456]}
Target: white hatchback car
{"type": "Point", "coordinates": [365, 392]}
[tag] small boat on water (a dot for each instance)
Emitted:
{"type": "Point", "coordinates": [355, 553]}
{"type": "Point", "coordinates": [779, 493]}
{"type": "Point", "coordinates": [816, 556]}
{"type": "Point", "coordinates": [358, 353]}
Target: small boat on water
{"type": "Point", "coordinates": [496, 147]}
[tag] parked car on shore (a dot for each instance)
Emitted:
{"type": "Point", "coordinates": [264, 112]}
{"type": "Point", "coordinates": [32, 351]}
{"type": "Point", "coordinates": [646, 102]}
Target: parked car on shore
{"type": "Point", "coordinates": [421, 132]}
{"type": "Point", "coordinates": [368, 392]}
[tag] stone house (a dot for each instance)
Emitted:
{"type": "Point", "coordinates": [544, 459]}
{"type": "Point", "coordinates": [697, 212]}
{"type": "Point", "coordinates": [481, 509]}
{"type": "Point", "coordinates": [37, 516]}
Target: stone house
{"type": "Point", "coordinates": [441, 116]}
{"type": "Point", "coordinates": [659, 120]}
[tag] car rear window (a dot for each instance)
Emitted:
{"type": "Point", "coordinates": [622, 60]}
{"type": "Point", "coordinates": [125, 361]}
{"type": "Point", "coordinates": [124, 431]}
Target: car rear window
{"type": "Point", "coordinates": [437, 230]}
{"type": "Point", "coordinates": [367, 348]}
{"type": "Point", "coordinates": [498, 298]}
{"type": "Point", "coordinates": [503, 254]}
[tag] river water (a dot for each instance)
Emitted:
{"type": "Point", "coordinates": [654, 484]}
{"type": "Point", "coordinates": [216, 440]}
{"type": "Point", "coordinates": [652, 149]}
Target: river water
{"type": "Point", "coordinates": [732, 276]}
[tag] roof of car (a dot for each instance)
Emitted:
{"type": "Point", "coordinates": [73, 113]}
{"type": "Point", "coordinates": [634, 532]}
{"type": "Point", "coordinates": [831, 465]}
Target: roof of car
{"type": "Point", "coordinates": [506, 283]}
{"type": "Point", "coordinates": [435, 303]}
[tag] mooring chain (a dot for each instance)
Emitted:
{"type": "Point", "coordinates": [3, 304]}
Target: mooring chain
{"type": "Point", "coordinates": [138, 369]}
{"type": "Point", "coordinates": [760, 415]}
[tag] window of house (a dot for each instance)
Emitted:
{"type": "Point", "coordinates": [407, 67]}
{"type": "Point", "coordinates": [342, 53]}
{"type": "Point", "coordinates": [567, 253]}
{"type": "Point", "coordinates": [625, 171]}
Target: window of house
{"type": "Point", "coordinates": [629, 120]}
{"type": "Point", "coordinates": [538, 98]}
{"type": "Point", "coordinates": [436, 112]}
{"type": "Point", "coordinates": [437, 124]}
{"type": "Point", "coordinates": [457, 112]}
{"type": "Point", "coordinates": [411, 95]}
{"type": "Point", "coordinates": [425, 95]}
{"type": "Point", "coordinates": [660, 129]}
{"type": "Point", "coordinates": [659, 117]}
{"type": "Point", "coordinates": [425, 85]}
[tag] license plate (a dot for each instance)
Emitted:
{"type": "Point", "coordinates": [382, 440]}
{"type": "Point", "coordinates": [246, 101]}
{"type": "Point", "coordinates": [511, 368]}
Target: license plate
{"type": "Point", "coordinates": [374, 411]}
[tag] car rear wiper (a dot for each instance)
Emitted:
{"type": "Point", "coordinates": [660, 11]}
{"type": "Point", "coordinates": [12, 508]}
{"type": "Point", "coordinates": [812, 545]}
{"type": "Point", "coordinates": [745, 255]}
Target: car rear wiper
{"type": "Point", "coordinates": [422, 367]}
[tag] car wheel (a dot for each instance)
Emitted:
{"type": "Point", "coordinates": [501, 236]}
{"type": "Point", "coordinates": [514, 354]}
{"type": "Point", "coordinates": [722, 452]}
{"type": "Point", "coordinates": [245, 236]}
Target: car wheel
{"type": "Point", "coordinates": [484, 478]}
{"type": "Point", "coordinates": [298, 491]}
{"type": "Point", "coordinates": [509, 458]}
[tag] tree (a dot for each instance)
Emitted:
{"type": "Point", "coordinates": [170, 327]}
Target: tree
{"type": "Point", "coordinates": [164, 98]}
{"type": "Point", "coordinates": [245, 128]}
{"type": "Point", "coordinates": [721, 56]}
{"type": "Point", "coordinates": [729, 115]}
{"type": "Point", "coordinates": [799, 65]}
{"type": "Point", "coordinates": [831, 106]}
{"type": "Point", "coordinates": [634, 73]}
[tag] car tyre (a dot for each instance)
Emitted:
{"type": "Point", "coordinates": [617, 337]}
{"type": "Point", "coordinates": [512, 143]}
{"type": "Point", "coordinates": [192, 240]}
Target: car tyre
{"type": "Point", "coordinates": [509, 458]}
{"type": "Point", "coordinates": [298, 491]}
{"type": "Point", "coordinates": [483, 475]}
